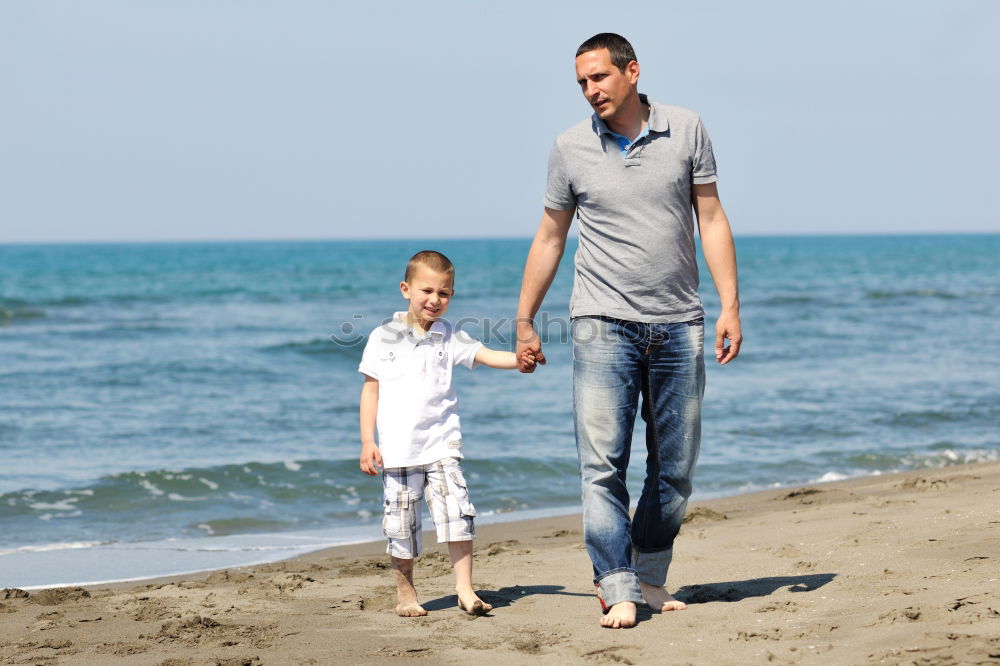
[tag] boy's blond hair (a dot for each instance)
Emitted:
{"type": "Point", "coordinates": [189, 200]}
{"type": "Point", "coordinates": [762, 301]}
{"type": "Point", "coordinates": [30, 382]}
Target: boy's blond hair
{"type": "Point", "coordinates": [431, 259]}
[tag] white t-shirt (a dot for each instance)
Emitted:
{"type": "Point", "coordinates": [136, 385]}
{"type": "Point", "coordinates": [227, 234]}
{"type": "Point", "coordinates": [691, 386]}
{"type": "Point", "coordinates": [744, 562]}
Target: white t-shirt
{"type": "Point", "coordinates": [417, 418]}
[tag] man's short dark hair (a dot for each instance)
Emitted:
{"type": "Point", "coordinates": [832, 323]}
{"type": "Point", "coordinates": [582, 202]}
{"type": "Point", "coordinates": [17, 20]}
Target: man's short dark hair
{"type": "Point", "coordinates": [621, 51]}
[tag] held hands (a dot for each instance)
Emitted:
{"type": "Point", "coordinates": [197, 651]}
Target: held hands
{"type": "Point", "coordinates": [526, 361]}
{"type": "Point", "coordinates": [529, 348]}
{"type": "Point", "coordinates": [371, 458]}
{"type": "Point", "coordinates": [728, 326]}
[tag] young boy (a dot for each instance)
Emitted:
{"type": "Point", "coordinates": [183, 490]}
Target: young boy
{"type": "Point", "coordinates": [408, 396]}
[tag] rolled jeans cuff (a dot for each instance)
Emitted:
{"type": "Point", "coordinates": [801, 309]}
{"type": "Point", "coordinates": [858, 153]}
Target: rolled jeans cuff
{"type": "Point", "coordinates": [618, 586]}
{"type": "Point", "coordinates": [651, 568]}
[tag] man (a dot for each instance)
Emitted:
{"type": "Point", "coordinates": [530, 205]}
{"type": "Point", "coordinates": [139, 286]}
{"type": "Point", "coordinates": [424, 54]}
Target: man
{"type": "Point", "coordinates": [632, 173]}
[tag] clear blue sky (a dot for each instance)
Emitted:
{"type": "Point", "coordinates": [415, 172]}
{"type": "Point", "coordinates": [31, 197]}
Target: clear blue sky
{"type": "Point", "coordinates": [241, 119]}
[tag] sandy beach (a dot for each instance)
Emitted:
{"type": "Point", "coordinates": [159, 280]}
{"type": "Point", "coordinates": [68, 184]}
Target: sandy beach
{"type": "Point", "coordinates": [894, 569]}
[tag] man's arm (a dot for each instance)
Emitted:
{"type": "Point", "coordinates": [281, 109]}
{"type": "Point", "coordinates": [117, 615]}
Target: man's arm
{"type": "Point", "coordinates": [371, 457]}
{"type": "Point", "coordinates": [720, 255]}
{"type": "Point", "coordinates": [539, 271]}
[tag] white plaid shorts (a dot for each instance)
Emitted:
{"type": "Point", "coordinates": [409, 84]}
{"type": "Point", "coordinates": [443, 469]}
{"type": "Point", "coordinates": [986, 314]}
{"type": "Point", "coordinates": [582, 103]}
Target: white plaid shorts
{"type": "Point", "coordinates": [443, 485]}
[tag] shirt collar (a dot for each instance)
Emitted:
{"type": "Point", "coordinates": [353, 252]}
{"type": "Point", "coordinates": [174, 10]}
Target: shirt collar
{"type": "Point", "coordinates": [657, 122]}
{"type": "Point", "coordinates": [398, 326]}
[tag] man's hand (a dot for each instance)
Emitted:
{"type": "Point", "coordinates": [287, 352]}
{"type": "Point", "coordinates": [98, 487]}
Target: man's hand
{"type": "Point", "coordinates": [371, 459]}
{"type": "Point", "coordinates": [728, 326]}
{"type": "Point", "coordinates": [529, 348]}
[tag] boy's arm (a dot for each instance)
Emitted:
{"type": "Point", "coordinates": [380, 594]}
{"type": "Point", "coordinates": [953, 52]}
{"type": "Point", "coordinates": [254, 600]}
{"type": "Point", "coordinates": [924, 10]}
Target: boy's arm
{"type": "Point", "coordinates": [371, 457]}
{"type": "Point", "coordinates": [503, 360]}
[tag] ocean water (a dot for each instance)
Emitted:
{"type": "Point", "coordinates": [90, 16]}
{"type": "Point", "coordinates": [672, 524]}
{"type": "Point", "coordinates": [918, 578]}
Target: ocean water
{"type": "Point", "coordinates": [173, 407]}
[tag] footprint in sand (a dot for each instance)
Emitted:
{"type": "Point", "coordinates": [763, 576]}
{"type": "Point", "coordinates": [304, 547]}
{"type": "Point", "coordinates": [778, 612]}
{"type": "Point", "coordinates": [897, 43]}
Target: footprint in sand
{"type": "Point", "coordinates": [120, 649]}
{"type": "Point", "coordinates": [289, 582]}
{"type": "Point", "coordinates": [13, 593]}
{"type": "Point", "coordinates": [701, 514]}
{"type": "Point", "coordinates": [149, 610]}
{"type": "Point", "coordinates": [908, 614]}
{"type": "Point", "coordinates": [46, 621]}
{"type": "Point", "coordinates": [379, 598]}
{"type": "Point", "coordinates": [961, 649]}
{"type": "Point", "coordinates": [760, 635]}
{"type": "Point", "coordinates": [788, 550]}
{"type": "Point", "coordinates": [197, 630]}
{"type": "Point", "coordinates": [351, 602]}
{"type": "Point", "coordinates": [973, 609]}
{"type": "Point", "coordinates": [778, 606]}
{"type": "Point", "coordinates": [227, 576]}
{"type": "Point", "coordinates": [433, 564]}
{"type": "Point", "coordinates": [815, 631]}
{"type": "Point", "coordinates": [362, 568]}
{"type": "Point", "coordinates": [920, 483]}
{"type": "Point", "coordinates": [802, 495]}
{"type": "Point", "coordinates": [614, 655]}
{"type": "Point", "coordinates": [533, 641]}
{"type": "Point", "coordinates": [59, 595]}
{"type": "Point", "coordinates": [499, 547]}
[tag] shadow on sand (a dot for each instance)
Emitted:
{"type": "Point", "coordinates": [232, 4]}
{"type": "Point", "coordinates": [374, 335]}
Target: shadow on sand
{"type": "Point", "coordinates": [504, 597]}
{"type": "Point", "coordinates": [755, 587]}
{"type": "Point", "coordinates": [689, 594]}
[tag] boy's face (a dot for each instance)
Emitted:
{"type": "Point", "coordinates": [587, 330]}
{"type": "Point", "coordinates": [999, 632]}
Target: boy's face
{"type": "Point", "coordinates": [428, 292]}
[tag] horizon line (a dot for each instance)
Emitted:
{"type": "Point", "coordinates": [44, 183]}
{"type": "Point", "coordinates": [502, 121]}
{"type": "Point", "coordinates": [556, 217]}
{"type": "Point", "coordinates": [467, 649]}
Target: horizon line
{"type": "Point", "coordinates": [315, 239]}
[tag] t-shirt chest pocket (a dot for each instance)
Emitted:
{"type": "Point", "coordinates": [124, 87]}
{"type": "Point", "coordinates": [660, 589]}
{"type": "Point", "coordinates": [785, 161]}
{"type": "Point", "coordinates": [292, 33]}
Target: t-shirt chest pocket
{"type": "Point", "coordinates": [391, 366]}
{"type": "Point", "coordinates": [440, 367]}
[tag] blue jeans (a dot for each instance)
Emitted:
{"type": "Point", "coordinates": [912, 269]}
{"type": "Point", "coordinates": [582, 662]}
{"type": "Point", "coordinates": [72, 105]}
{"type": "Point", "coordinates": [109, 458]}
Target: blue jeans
{"type": "Point", "coordinates": [615, 363]}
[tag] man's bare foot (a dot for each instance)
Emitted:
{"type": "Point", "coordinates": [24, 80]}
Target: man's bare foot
{"type": "Point", "coordinates": [619, 616]}
{"type": "Point", "coordinates": [470, 602]}
{"type": "Point", "coordinates": [659, 599]}
{"type": "Point", "coordinates": [410, 609]}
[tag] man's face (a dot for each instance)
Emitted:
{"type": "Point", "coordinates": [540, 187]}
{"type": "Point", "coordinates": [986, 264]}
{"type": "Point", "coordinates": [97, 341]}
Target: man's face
{"type": "Point", "coordinates": [429, 293]}
{"type": "Point", "coordinates": [605, 86]}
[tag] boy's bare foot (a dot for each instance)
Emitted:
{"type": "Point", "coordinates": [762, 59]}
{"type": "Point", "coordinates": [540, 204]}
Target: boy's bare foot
{"type": "Point", "coordinates": [406, 594]}
{"type": "Point", "coordinates": [470, 602]}
{"type": "Point", "coordinates": [410, 609]}
{"type": "Point", "coordinates": [461, 558]}
{"type": "Point", "coordinates": [619, 616]}
{"type": "Point", "coordinates": [659, 599]}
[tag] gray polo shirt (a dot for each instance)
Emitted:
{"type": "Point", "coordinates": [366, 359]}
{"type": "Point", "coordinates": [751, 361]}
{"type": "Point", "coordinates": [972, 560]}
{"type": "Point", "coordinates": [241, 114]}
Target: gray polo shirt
{"type": "Point", "coordinates": [636, 257]}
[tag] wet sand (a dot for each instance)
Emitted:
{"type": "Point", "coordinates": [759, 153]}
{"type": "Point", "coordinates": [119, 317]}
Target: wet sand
{"type": "Point", "coordinates": [896, 569]}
